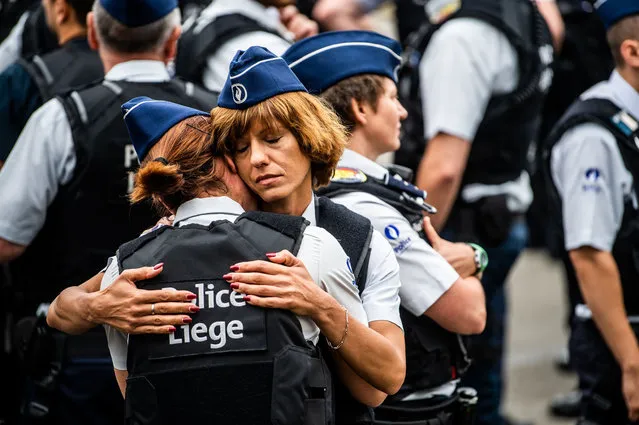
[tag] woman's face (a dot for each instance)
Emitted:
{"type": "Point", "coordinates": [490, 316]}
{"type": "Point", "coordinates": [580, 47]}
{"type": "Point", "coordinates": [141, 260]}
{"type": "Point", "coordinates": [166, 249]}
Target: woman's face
{"type": "Point", "coordinates": [273, 166]}
{"type": "Point", "coordinates": [383, 127]}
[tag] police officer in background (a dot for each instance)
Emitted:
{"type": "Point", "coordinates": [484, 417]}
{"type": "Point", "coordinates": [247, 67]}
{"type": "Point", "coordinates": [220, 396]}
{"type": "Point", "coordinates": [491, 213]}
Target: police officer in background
{"type": "Point", "coordinates": [27, 84]}
{"type": "Point", "coordinates": [209, 42]}
{"type": "Point", "coordinates": [354, 71]}
{"type": "Point", "coordinates": [64, 189]}
{"type": "Point", "coordinates": [592, 165]}
{"type": "Point", "coordinates": [29, 36]}
{"type": "Point", "coordinates": [474, 85]}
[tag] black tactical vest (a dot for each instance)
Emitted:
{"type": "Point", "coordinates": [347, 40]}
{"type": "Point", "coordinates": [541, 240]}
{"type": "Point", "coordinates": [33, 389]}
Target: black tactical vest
{"type": "Point", "coordinates": [235, 364]}
{"type": "Point", "coordinates": [434, 356]}
{"type": "Point", "coordinates": [625, 128]}
{"type": "Point", "coordinates": [202, 37]}
{"type": "Point", "coordinates": [91, 215]}
{"type": "Point", "coordinates": [500, 147]}
{"type": "Point", "coordinates": [72, 65]}
{"type": "Point", "coordinates": [354, 233]}
{"type": "Point", "coordinates": [37, 38]}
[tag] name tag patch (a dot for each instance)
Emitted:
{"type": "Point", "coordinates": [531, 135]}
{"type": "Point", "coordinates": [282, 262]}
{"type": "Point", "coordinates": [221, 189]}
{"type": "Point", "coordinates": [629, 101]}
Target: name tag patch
{"type": "Point", "coordinates": [224, 324]}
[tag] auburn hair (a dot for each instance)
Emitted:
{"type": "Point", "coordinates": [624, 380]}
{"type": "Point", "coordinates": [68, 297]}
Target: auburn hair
{"type": "Point", "coordinates": [317, 129]}
{"type": "Point", "coordinates": [179, 167]}
{"type": "Point", "coordinates": [365, 88]}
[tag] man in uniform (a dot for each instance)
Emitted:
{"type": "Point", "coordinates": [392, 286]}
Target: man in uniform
{"type": "Point", "coordinates": [27, 84]}
{"type": "Point", "coordinates": [209, 42]}
{"type": "Point", "coordinates": [591, 168]}
{"type": "Point", "coordinates": [344, 67]}
{"type": "Point", "coordinates": [477, 78]}
{"type": "Point", "coordinates": [29, 36]}
{"type": "Point", "coordinates": [64, 189]}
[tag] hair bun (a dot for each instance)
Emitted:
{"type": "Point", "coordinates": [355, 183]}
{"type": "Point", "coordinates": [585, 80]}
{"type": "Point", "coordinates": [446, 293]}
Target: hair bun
{"type": "Point", "coordinates": [157, 179]}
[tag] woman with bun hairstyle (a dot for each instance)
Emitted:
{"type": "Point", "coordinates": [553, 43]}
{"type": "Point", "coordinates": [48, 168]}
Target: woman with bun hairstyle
{"type": "Point", "coordinates": [284, 143]}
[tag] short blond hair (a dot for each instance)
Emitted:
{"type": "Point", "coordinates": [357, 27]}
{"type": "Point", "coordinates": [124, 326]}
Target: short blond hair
{"type": "Point", "coordinates": [318, 130]}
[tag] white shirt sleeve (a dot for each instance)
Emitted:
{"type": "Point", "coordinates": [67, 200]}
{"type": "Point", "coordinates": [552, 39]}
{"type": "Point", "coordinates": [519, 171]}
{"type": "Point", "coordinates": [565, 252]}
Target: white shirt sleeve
{"type": "Point", "coordinates": [381, 295]}
{"type": "Point", "coordinates": [42, 160]}
{"type": "Point", "coordinates": [116, 340]}
{"type": "Point", "coordinates": [593, 183]}
{"type": "Point", "coordinates": [217, 65]}
{"type": "Point", "coordinates": [327, 263]}
{"type": "Point", "coordinates": [425, 275]}
{"type": "Point", "coordinates": [466, 62]}
{"type": "Point", "coordinates": [12, 45]}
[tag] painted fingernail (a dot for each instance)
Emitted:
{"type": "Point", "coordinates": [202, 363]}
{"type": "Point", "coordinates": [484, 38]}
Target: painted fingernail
{"type": "Point", "coordinates": [158, 266]}
{"type": "Point", "coordinates": [235, 268]}
{"type": "Point", "coordinates": [235, 285]}
{"type": "Point", "coordinates": [191, 297]}
{"type": "Point", "coordinates": [227, 277]}
{"type": "Point", "coordinates": [171, 329]}
{"type": "Point", "coordinates": [194, 309]}
{"type": "Point", "coordinates": [247, 298]}
{"type": "Point", "coordinates": [187, 320]}
{"type": "Point", "coordinates": [271, 254]}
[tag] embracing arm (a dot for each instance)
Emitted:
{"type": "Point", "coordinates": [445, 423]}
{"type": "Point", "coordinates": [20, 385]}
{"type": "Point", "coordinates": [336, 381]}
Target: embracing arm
{"type": "Point", "coordinates": [376, 354]}
{"type": "Point", "coordinates": [120, 305]}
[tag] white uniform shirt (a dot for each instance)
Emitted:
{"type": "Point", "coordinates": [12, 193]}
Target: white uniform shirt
{"type": "Point", "coordinates": [320, 252]}
{"type": "Point", "coordinates": [11, 47]}
{"type": "Point", "coordinates": [217, 65]}
{"type": "Point", "coordinates": [381, 295]}
{"type": "Point", "coordinates": [425, 275]}
{"type": "Point", "coordinates": [43, 159]}
{"type": "Point", "coordinates": [466, 63]}
{"type": "Point", "coordinates": [590, 175]}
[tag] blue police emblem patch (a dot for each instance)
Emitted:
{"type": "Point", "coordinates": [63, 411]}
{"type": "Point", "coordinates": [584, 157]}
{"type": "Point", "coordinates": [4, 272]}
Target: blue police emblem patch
{"type": "Point", "coordinates": [391, 232]}
{"type": "Point", "coordinates": [348, 175]}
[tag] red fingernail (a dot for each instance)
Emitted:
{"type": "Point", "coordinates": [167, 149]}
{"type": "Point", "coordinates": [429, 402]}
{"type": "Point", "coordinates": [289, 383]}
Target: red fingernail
{"type": "Point", "coordinates": [235, 285]}
{"type": "Point", "coordinates": [235, 268]}
{"type": "Point", "coordinates": [194, 309]}
{"type": "Point", "coordinates": [247, 298]}
{"type": "Point", "coordinates": [191, 297]}
{"type": "Point", "coordinates": [227, 277]}
{"type": "Point", "coordinates": [187, 319]}
{"type": "Point", "coordinates": [158, 266]}
{"type": "Point", "coordinates": [171, 328]}
{"type": "Point", "coordinates": [271, 255]}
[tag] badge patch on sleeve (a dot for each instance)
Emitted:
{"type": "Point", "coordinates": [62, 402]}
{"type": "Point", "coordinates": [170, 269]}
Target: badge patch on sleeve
{"type": "Point", "coordinates": [348, 175]}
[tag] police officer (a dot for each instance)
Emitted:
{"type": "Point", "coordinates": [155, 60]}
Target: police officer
{"type": "Point", "coordinates": [209, 42]}
{"type": "Point", "coordinates": [355, 72]}
{"type": "Point", "coordinates": [278, 341]}
{"type": "Point", "coordinates": [474, 86]}
{"type": "Point", "coordinates": [27, 84]}
{"type": "Point", "coordinates": [72, 164]}
{"type": "Point", "coordinates": [30, 36]}
{"type": "Point", "coordinates": [591, 169]}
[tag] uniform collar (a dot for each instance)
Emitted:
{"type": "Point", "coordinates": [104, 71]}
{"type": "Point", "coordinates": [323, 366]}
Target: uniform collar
{"type": "Point", "coordinates": [351, 159]}
{"type": "Point", "coordinates": [215, 208]}
{"type": "Point", "coordinates": [627, 95]}
{"type": "Point", "coordinates": [139, 71]}
{"type": "Point", "coordinates": [309, 212]}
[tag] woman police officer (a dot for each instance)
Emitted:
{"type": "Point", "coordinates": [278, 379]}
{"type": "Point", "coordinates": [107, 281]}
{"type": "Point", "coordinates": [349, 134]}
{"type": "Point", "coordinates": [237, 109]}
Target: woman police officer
{"type": "Point", "coordinates": [265, 121]}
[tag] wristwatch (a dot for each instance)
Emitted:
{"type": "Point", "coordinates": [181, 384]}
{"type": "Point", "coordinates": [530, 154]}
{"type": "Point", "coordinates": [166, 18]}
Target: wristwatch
{"type": "Point", "coordinates": [481, 258]}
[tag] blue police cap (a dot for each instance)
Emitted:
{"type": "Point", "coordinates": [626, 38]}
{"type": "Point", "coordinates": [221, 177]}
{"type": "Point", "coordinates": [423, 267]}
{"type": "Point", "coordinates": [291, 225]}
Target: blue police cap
{"type": "Point", "coordinates": [326, 59]}
{"type": "Point", "coordinates": [137, 13]}
{"type": "Point", "coordinates": [612, 11]}
{"type": "Point", "coordinates": [254, 76]}
{"type": "Point", "coordinates": [147, 120]}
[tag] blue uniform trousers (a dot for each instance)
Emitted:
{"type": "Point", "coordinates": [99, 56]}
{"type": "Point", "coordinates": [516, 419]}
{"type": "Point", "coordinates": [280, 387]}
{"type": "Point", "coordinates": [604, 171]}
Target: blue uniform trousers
{"type": "Point", "coordinates": [486, 372]}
